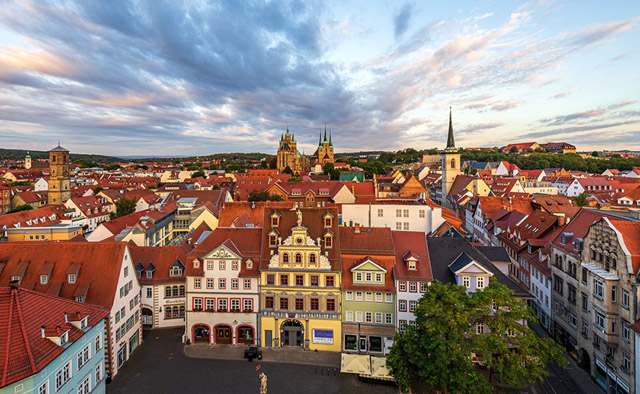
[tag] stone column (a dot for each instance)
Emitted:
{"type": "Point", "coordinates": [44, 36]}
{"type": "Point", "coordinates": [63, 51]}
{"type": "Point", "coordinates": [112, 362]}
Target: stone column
{"type": "Point", "coordinates": [306, 331]}
{"type": "Point", "coordinates": [277, 334]}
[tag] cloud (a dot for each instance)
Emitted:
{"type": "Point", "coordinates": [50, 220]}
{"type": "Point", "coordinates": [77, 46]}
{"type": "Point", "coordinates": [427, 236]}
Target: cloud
{"type": "Point", "coordinates": [477, 127]}
{"type": "Point", "coordinates": [563, 132]}
{"type": "Point", "coordinates": [601, 32]}
{"type": "Point", "coordinates": [578, 115]}
{"type": "Point", "coordinates": [401, 21]}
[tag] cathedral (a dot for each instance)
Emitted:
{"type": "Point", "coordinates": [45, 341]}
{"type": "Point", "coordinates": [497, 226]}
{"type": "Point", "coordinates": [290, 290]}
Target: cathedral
{"type": "Point", "coordinates": [289, 156]}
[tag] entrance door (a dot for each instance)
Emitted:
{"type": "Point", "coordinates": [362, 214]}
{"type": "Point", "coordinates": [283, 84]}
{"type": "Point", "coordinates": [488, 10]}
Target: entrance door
{"type": "Point", "coordinates": [147, 317]}
{"type": "Point", "coordinates": [268, 338]}
{"type": "Point", "coordinates": [223, 335]}
{"type": "Point", "coordinates": [292, 333]}
{"type": "Point", "coordinates": [201, 333]}
{"type": "Point", "coordinates": [122, 355]}
{"type": "Point", "coordinates": [245, 335]}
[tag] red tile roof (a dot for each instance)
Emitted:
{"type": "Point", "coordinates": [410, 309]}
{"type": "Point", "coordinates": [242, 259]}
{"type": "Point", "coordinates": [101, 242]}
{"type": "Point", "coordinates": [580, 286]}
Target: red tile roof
{"type": "Point", "coordinates": [230, 211]}
{"type": "Point", "coordinates": [24, 352]}
{"type": "Point", "coordinates": [96, 263]}
{"type": "Point", "coordinates": [415, 242]}
{"type": "Point", "coordinates": [162, 257]}
{"type": "Point", "coordinates": [630, 232]}
{"type": "Point", "coordinates": [369, 241]}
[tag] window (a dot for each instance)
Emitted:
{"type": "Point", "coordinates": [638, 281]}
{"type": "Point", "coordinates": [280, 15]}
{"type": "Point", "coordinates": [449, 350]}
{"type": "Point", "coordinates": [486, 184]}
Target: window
{"type": "Point", "coordinates": [421, 213]}
{"type": "Point", "coordinates": [327, 222]}
{"type": "Point", "coordinates": [196, 283]}
{"type": "Point", "coordinates": [572, 320]}
{"type": "Point", "coordinates": [412, 265]}
{"type": "Point", "coordinates": [402, 286]}
{"type": "Point", "coordinates": [248, 304]}
{"type": "Point", "coordinates": [388, 318]}
{"type": "Point", "coordinates": [235, 304]}
{"type": "Point", "coordinates": [479, 328]}
{"type": "Point", "coordinates": [234, 284]}
{"type": "Point", "coordinates": [466, 281]}
{"type": "Point", "coordinates": [614, 293]}
{"type": "Point", "coordinates": [378, 297]}
{"type": "Point", "coordinates": [329, 281]}
{"type": "Point", "coordinates": [44, 388]}
{"type": "Point", "coordinates": [413, 287]}
{"type": "Point", "coordinates": [63, 376]}
{"type": "Point", "coordinates": [402, 324]}
{"type": "Point", "coordinates": [98, 343]}
{"type": "Point", "coordinates": [314, 280]}
{"type": "Point", "coordinates": [598, 289]}
{"type": "Point", "coordinates": [398, 225]}
{"type": "Point", "coordinates": [268, 302]}
{"type": "Point", "coordinates": [210, 304]}
{"type": "Point", "coordinates": [405, 226]}
{"type": "Point", "coordinates": [271, 279]}
{"type": "Point", "coordinates": [181, 292]}
{"type": "Point", "coordinates": [625, 299]}
{"type": "Point", "coordinates": [600, 321]}
{"type": "Point", "coordinates": [413, 305]}
{"type": "Point", "coordinates": [359, 316]}
{"type": "Point", "coordinates": [85, 386]}
{"type": "Point", "coordinates": [210, 265]}
{"type": "Point", "coordinates": [149, 292]}
{"type": "Point", "coordinates": [247, 284]}
{"type": "Point", "coordinates": [44, 279]}
{"type": "Point", "coordinates": [272, 240]}
{"type": "Point", "coordinates": [380, 212]}
{"type": "Point", "coordinates": [349, 295]}
{"type": "Point", "coordinates": [222, 265]}
{"type": "Point", "coordinates": [84, 356]}
{"type": "Point", "coordinates": [349, 316]}
{"type": "Point", "coordinates": [626, 362]}
{"type": "Point", "coordinates": [234, 265]}
{"type": "Point", "coordinates": [388, 297]}
{"type": "Point", "coordinates": [403, 305]}
{"type": "Point", "coordinates": [298, 258]}
{"type": "Point", "coordinates": [328, 241]}
{"type": "Point", "coordinates": [312, 258]}
{"type": "Point", "coordinates": [398, 213]}
{"type": "Point", "coordinates": [625, 331]}
{"type": "Point", "coordinates": [274, 221]}
{"type": "Point", "coordinates": [299, 304]}
{"type": "Point", "coordinates": [284, 280]}
{"type": "Point", "coordinates": [480, 282]}
{"type": "Point", "coordinates": [222, 304]}
{"type": "Point", "coordinates": [358, 296]}
{"type": "Point", "coordinates": [378, 317]}
{"type": "Point", "coordinates": [284, 304]}
{"type": "Point", "coordinates": [368, 296]}
{"type": "Point", "coordinates": [423, 287]}
{"type": "Point", "coordinates": [358, 276]}
{"type": "Point", "coordinates": [71, 278]}
{"type": "Point", "coordinates": [98, 372]}
{"type": "Point", "coordinates": [405, 213]}
{"type": "Point", "coordinates": [331, 305]}
{"type": "Point", "coordinates": [378, 277]}
{"type": "Point", "coordinates": [368, 317]}
{"type": "Point", "coordinates": [585, 302]}
{"type": "Point", "coordinates": [197, 303]}
{"type": "Point", "coordinates": [209, 283]}
{"type": "Point", "coordinates": [285, 258]}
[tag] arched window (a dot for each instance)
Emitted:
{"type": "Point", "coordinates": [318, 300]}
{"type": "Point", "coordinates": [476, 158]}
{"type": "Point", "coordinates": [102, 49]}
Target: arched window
{"type": "Point", "coordinates": [285, 257]}
{"type": "Point", "coordinates": [453, 163]}
{"type": "Point", "coordinates": [175, 311]}
{"type": "Point", "coordinates": [182, 311]}
{"type": "Point", "coordinates": [167, 313]}
{"type": "Point", "coordinates": [312, 258]}
{"type": "Point", "coordinates": [181, 290]}
{"type": "Point", "coordinates": [298, 258]}
{"type": "Point", "coordinates": [167, 291]}
{"type": "Point", "coordinates": [175, 291]}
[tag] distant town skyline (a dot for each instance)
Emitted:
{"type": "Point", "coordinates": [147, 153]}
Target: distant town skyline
{"type": "Point", "coordinates": [173, 79]}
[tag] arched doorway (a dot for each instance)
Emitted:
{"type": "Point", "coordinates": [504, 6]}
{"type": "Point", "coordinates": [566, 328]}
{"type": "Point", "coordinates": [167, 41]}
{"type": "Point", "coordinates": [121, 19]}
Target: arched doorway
{"type": "Point", "coordinates": [245, 335]}
{"type": "Point", "coordinates": [292, 333]}
{"type": "Point", "coordinates": [223, 334]}
{"type": "Point", "coordinates": [584, 361]}
{"type": "Point", "coordinates": [201, 333]}
{"type": "Point", "coordinates": [147, 317]}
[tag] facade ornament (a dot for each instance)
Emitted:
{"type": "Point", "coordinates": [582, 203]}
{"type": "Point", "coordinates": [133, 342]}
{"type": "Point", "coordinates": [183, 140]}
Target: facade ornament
{"type": "Point", "coordinates": [287, 241]}
{"type": "Point", "coordinates": [275, 261]}
{"type": "Point", "coordinates": [299, 214]}
{"type": "Point", "coordinates": [279, 240]}
{"type": "Point", "coordinates": [324, 262]}
{"type": "Point", "coordinates": [310, 241]}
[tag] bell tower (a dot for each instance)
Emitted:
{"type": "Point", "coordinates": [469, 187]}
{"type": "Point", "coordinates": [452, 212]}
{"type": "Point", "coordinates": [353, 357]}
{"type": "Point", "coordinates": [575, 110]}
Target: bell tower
{"type": "Point", "coordinates": [27, 161]}
{"type": "Point", "coordinates": [59, 182]}
{"type": "Point", "coordinates": [450, 164]}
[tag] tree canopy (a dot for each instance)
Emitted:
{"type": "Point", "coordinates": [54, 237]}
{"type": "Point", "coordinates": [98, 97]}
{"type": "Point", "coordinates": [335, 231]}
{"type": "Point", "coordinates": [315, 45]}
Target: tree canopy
{"type": "Point", "coordinates": [451, 325]}
{"type": "Point", "coordinates": [263, 196]}
{"type": "Point", "coordinates": [124, 206]}
{"type": "Point", "coordinates": [20, 208]}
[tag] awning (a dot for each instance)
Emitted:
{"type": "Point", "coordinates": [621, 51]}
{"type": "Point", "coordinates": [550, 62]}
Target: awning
{"type": "Point", "coordinates": [355, 363]}
{"type": "Point", "coordinates": [379, 368]}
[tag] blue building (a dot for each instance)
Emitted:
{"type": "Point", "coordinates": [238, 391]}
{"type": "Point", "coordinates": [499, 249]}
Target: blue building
{"type": "Point", "coordinates": [52, 344]}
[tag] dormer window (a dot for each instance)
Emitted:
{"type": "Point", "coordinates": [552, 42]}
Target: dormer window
{"type": "Point", "coordinates": [71, 278]}
{"type": "Point", "coordinates": [149, 274]}
{"type": "Point", "coordinates": [273, 240]}
{"type": "Point", "coordinates": [15, 278]}
{"type": "Point", "coordinates": [328, 240]}
{"type": "Point", "coordinates": [275, 220]}
{"type": "Point", "coordinates": [175, 271]}
{"type": "Point", "coordinates": [196, 264]}
{"type": "Point", "coordinates": [83, 323]}
{"type": "Point", "coordinates": [412, 264]}
{"type": "Point", "coordinates": [249, 264]}
{"type": "Point", "coordinates": [64, 338]}
{"type": "Point", "coordinates": [44, 279]}
{"type": "Point", "coordinates": [327, 222]}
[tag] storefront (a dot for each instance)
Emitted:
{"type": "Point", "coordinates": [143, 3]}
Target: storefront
{"type": "Point", "coordinates": [607, 378]}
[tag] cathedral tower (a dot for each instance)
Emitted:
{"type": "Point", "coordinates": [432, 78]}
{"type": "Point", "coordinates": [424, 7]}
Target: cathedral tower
{"type": "Point", "coordinates": [27, 161]}
{"type": "Point", "coordinates": [59, 182]}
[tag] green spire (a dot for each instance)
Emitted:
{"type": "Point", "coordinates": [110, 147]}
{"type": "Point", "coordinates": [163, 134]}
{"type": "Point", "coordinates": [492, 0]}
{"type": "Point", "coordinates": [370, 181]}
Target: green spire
{"type": "Point", "coordinates": [287, 130]}
{"type": "Point", "coordinates": [450, 142]}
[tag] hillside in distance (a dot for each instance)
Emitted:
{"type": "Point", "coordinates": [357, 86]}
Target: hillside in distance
{"type": "Point", "coordinates": [19, 154]}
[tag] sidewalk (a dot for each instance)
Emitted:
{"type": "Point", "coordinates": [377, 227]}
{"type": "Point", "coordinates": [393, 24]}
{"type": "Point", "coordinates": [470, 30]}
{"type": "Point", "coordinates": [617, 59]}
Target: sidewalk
{"type": "Point", "coordinates": [294, 355]}
{"type": "Point", "coordinates": [576, 375]}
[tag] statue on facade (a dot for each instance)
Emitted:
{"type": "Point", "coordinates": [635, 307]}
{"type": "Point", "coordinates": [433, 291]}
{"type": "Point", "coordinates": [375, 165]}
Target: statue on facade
{"type": "Point", "coordinates": [299, 214]}
{"type": "Point", "coordinates": [263, 383]}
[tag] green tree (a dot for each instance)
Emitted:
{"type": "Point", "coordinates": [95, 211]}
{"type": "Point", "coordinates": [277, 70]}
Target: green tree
{"type": "Point", "coordinates": [595, 153]}
{"type": "Point", "coordinates": [124, 206]}
{"type": "Point", "coordinates": [112, 167]}
{"type": "Point", "coordinates": [216, 187]}
{"type": "Point", "coordinates": [97, 190]}
{"type": "Point", "coordinates": [197, 174]}
{"type": "Point", "coordinates": [581, 199]}
{"type": "Point", "coordinates": [294, 179]}
{"type": "Point", "coordinates": [20, 208]}
{"type": "Point", "coordinates": [436, 352]}
{"type": "Point", "coordinates": [273, 164]}
{"type": "Point", "coordinates": [287, 170]}
{"type": "Point", "coordinates": [514, 149]}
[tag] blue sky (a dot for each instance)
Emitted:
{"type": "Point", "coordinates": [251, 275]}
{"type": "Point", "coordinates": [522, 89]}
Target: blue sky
{"type": "Point", "coordinates": [173, 78]}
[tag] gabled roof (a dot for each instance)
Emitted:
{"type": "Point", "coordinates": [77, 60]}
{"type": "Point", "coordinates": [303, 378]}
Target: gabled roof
{"type": "Point", "coordinates": [370, 240]}
{"type": "Point", "coordinates": [414, 241]}
{"type": "Point", "coordinates": [23, 351]}
{"type": "Point", "coordinates": [162, 258]}
{"type": "Point", "coordinates": [443, 251]}
{"type": "Point", "coordinates": [96, 263]}
{"type": "Point", "coordinates": [462, 261]}
{"type": "Point", "coordinates": [231, 211]}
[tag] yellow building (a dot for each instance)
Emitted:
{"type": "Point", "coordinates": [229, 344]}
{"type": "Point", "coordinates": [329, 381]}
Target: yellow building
{"type": "Point", "coordinates": [50, 233]}
{"type": "Point", "coordinates": [300, 279]}
{"type": "Point", "coordinates": [59, 182]}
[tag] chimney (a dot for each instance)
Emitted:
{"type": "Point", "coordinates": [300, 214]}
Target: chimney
{"type": "Point", "coordinates": [357, 229]}
{"type": "Point", "coordinates": [66, 319]}
{"type": "Point", "coordinates": [561, 220]}
{"type": "Point", "coordinates": [42, 331]}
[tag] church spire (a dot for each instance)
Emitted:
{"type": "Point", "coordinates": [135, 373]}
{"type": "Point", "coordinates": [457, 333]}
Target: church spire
{"type": "Point", "coordinates": [330, 143]}
{"type": "Point", "coordinates": [450, 142]}
{"type": "Point", "coordinates": [320, 139]}
{"type": "Point", "coordinates": [325, 134]}
{"type": "Point", "coordinates": [287, 130]}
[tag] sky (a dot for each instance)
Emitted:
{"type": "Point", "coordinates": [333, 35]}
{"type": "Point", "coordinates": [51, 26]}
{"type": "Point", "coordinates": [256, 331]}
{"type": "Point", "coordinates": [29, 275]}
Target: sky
{"type": "Point", "coordinates": [174, 78]}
